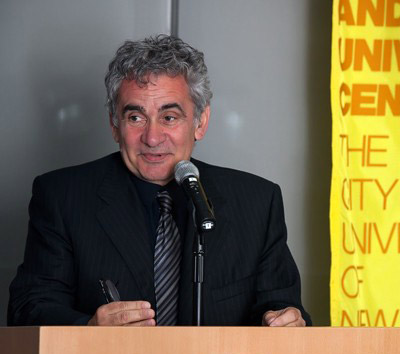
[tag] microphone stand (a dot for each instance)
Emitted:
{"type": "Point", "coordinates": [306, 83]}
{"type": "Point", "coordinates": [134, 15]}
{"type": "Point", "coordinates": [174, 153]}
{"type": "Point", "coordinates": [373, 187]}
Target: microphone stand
{"type": "Point", "coordinates": [198, 275]}
{"type": "Point", "coordinates": [204, 221]}
{"type": "Point", "coordinates": [206, 225]}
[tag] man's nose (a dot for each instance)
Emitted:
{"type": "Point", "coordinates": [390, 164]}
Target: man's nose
{"type": "Point", "coordinates": [153, 134]}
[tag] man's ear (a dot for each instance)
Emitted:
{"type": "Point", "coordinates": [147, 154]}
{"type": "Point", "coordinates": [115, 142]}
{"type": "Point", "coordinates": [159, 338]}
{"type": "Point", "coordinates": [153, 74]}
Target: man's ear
{"type": "Point", "coordinates": [202, 126]}
{"type": "Point", "coordinates": [114, 129]}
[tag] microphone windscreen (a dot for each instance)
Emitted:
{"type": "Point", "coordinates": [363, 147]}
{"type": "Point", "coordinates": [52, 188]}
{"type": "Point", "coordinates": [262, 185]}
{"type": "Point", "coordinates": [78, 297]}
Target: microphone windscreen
{"type": "Point", "coordinates": [184, 169]}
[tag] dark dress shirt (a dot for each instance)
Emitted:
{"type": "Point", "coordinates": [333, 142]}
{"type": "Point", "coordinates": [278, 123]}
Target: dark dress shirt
{"type": "Point", "coordinates": [147, 192]}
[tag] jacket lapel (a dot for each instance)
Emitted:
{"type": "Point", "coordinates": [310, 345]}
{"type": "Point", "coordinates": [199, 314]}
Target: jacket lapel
{"type": "Point", "coordinates": [122, 217]}
{"type": "Point", "coordinates": [215, 239]}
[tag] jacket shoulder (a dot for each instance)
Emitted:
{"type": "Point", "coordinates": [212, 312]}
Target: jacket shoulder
{"type": "Point", "coordinates": [233, 177]}
{"type": "Point", "coordinates": [89, 171]}
{"type": "Point", "coordinates": [74, 181]}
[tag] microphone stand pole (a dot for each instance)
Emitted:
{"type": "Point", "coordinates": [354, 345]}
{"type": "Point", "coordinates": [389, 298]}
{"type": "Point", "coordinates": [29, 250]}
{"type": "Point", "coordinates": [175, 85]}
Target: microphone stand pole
{"type": "Point", "coordinates": [198, 276]}
{"type": "Point", "coordinates": [204, 221]}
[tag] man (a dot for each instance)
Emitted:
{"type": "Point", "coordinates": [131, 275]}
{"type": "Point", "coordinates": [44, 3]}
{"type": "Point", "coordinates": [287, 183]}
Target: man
{"type": "Point", "coordinates": [112, 218]}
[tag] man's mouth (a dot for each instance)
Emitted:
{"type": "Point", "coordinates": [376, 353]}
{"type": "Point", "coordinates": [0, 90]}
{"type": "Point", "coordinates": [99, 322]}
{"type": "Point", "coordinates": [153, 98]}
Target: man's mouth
{"type": "Point", "coordinates": [154, 157]}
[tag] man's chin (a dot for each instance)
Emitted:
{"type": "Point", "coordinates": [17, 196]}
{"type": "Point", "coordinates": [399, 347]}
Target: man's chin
{"type": "Point", "coordinates": [157, 177]}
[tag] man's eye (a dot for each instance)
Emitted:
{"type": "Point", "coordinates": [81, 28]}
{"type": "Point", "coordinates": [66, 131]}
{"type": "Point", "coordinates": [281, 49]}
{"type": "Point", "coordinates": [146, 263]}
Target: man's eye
{"type": "Point", "coordinates": [170, 119]}
{"type": "Point", "coordinates": [134, 119]}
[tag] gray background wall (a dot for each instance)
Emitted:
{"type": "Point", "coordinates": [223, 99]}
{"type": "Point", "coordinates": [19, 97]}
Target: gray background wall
{"type": "Point", "coordinates": [269, 64]}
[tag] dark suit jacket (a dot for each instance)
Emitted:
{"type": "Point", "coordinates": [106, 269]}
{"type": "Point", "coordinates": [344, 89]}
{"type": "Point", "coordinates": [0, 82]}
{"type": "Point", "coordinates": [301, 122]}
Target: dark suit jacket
{"type": "Point", "coordinates": [87, 223]}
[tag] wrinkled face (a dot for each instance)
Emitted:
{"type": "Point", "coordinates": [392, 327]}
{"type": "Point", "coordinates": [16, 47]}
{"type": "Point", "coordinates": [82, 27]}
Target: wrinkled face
{"type": "Point", "coordinates": [156, 127]}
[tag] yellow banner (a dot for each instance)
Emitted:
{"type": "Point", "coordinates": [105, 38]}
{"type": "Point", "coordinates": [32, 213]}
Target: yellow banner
{"type": "Point", "coordinates": [365, 191]}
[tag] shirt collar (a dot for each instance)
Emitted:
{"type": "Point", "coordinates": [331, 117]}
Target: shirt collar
{"type": "Point", "coordinates": [148, 191]}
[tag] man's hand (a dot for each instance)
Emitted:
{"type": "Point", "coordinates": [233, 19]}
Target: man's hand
{"type": "Point", "coordinates": [288, 317]}
{"type": "Point", "coordinates": [124, 313]}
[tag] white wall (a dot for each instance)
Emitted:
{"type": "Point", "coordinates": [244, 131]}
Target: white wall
{"type": "Point", "coordinates": [269, 64]}
{"type": "Point", "coordinates": [54, 54]}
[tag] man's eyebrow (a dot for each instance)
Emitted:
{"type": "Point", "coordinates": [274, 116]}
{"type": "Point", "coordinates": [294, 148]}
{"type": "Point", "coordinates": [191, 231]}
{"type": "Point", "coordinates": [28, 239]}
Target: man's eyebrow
{"type": "Point", "coordinates": [172, 105]}
{"type": "Point", "coordinates": [134, 108]}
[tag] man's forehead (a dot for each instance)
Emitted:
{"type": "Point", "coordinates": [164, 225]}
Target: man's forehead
{"type": "Point", "coordinates": [164, 107]}
{"type": "Point", "coordinates": [161, 87]}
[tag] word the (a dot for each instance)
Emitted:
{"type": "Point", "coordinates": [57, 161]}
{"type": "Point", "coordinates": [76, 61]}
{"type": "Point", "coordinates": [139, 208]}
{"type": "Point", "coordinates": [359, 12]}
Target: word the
{"type": "Point", "coordinates": [366, 150]}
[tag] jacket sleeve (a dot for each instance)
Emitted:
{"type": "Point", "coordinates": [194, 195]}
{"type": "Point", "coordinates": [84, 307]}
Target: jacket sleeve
{"type": "Point", "coordinates": [278, 279]}
{"type": "Point", "coordinates": [43, 291]}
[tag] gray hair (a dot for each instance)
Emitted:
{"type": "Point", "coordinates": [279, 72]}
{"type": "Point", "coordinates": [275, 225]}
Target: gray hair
{"type": "Point", "coordinates": [157, 55]}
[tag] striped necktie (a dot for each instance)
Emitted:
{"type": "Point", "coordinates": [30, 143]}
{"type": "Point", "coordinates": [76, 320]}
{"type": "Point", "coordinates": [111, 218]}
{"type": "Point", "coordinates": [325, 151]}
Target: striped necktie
{"type": "Point", "coordinates": [167, 259]}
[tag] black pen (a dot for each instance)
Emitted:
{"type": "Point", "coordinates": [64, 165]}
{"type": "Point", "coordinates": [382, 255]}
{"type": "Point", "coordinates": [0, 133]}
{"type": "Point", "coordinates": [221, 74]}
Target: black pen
{"type": "Point", "coordinates": [109, 290]}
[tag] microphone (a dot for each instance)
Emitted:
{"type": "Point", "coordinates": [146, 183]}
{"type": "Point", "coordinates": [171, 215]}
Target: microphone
{"type": "Point", "coordinates": [187, 175]}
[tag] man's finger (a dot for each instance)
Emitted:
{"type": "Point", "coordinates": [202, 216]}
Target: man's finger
{"type": "Point", "coordinates": [121, 313]}
{"type": "Point", "coordinates": [288, 317]}
{"type": "Point", "coordinates": [131, 316]}
{"type": "Point", "coordinates": [298, 323]}
{"type": "Point", "coordinates": [144, 323]}
{"type": "Point", "coordinates": [269, 317]}
{"type": "Point", "coordinates": [119, 306]}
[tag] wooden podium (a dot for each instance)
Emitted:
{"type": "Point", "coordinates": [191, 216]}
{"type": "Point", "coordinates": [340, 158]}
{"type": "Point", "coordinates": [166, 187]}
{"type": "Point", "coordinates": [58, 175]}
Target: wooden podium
{"type": "Point", "coordinates": [199, 340]}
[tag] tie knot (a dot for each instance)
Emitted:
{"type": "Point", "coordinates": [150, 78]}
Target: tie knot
{"type": "Point", "coordinates": [165, 201]}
